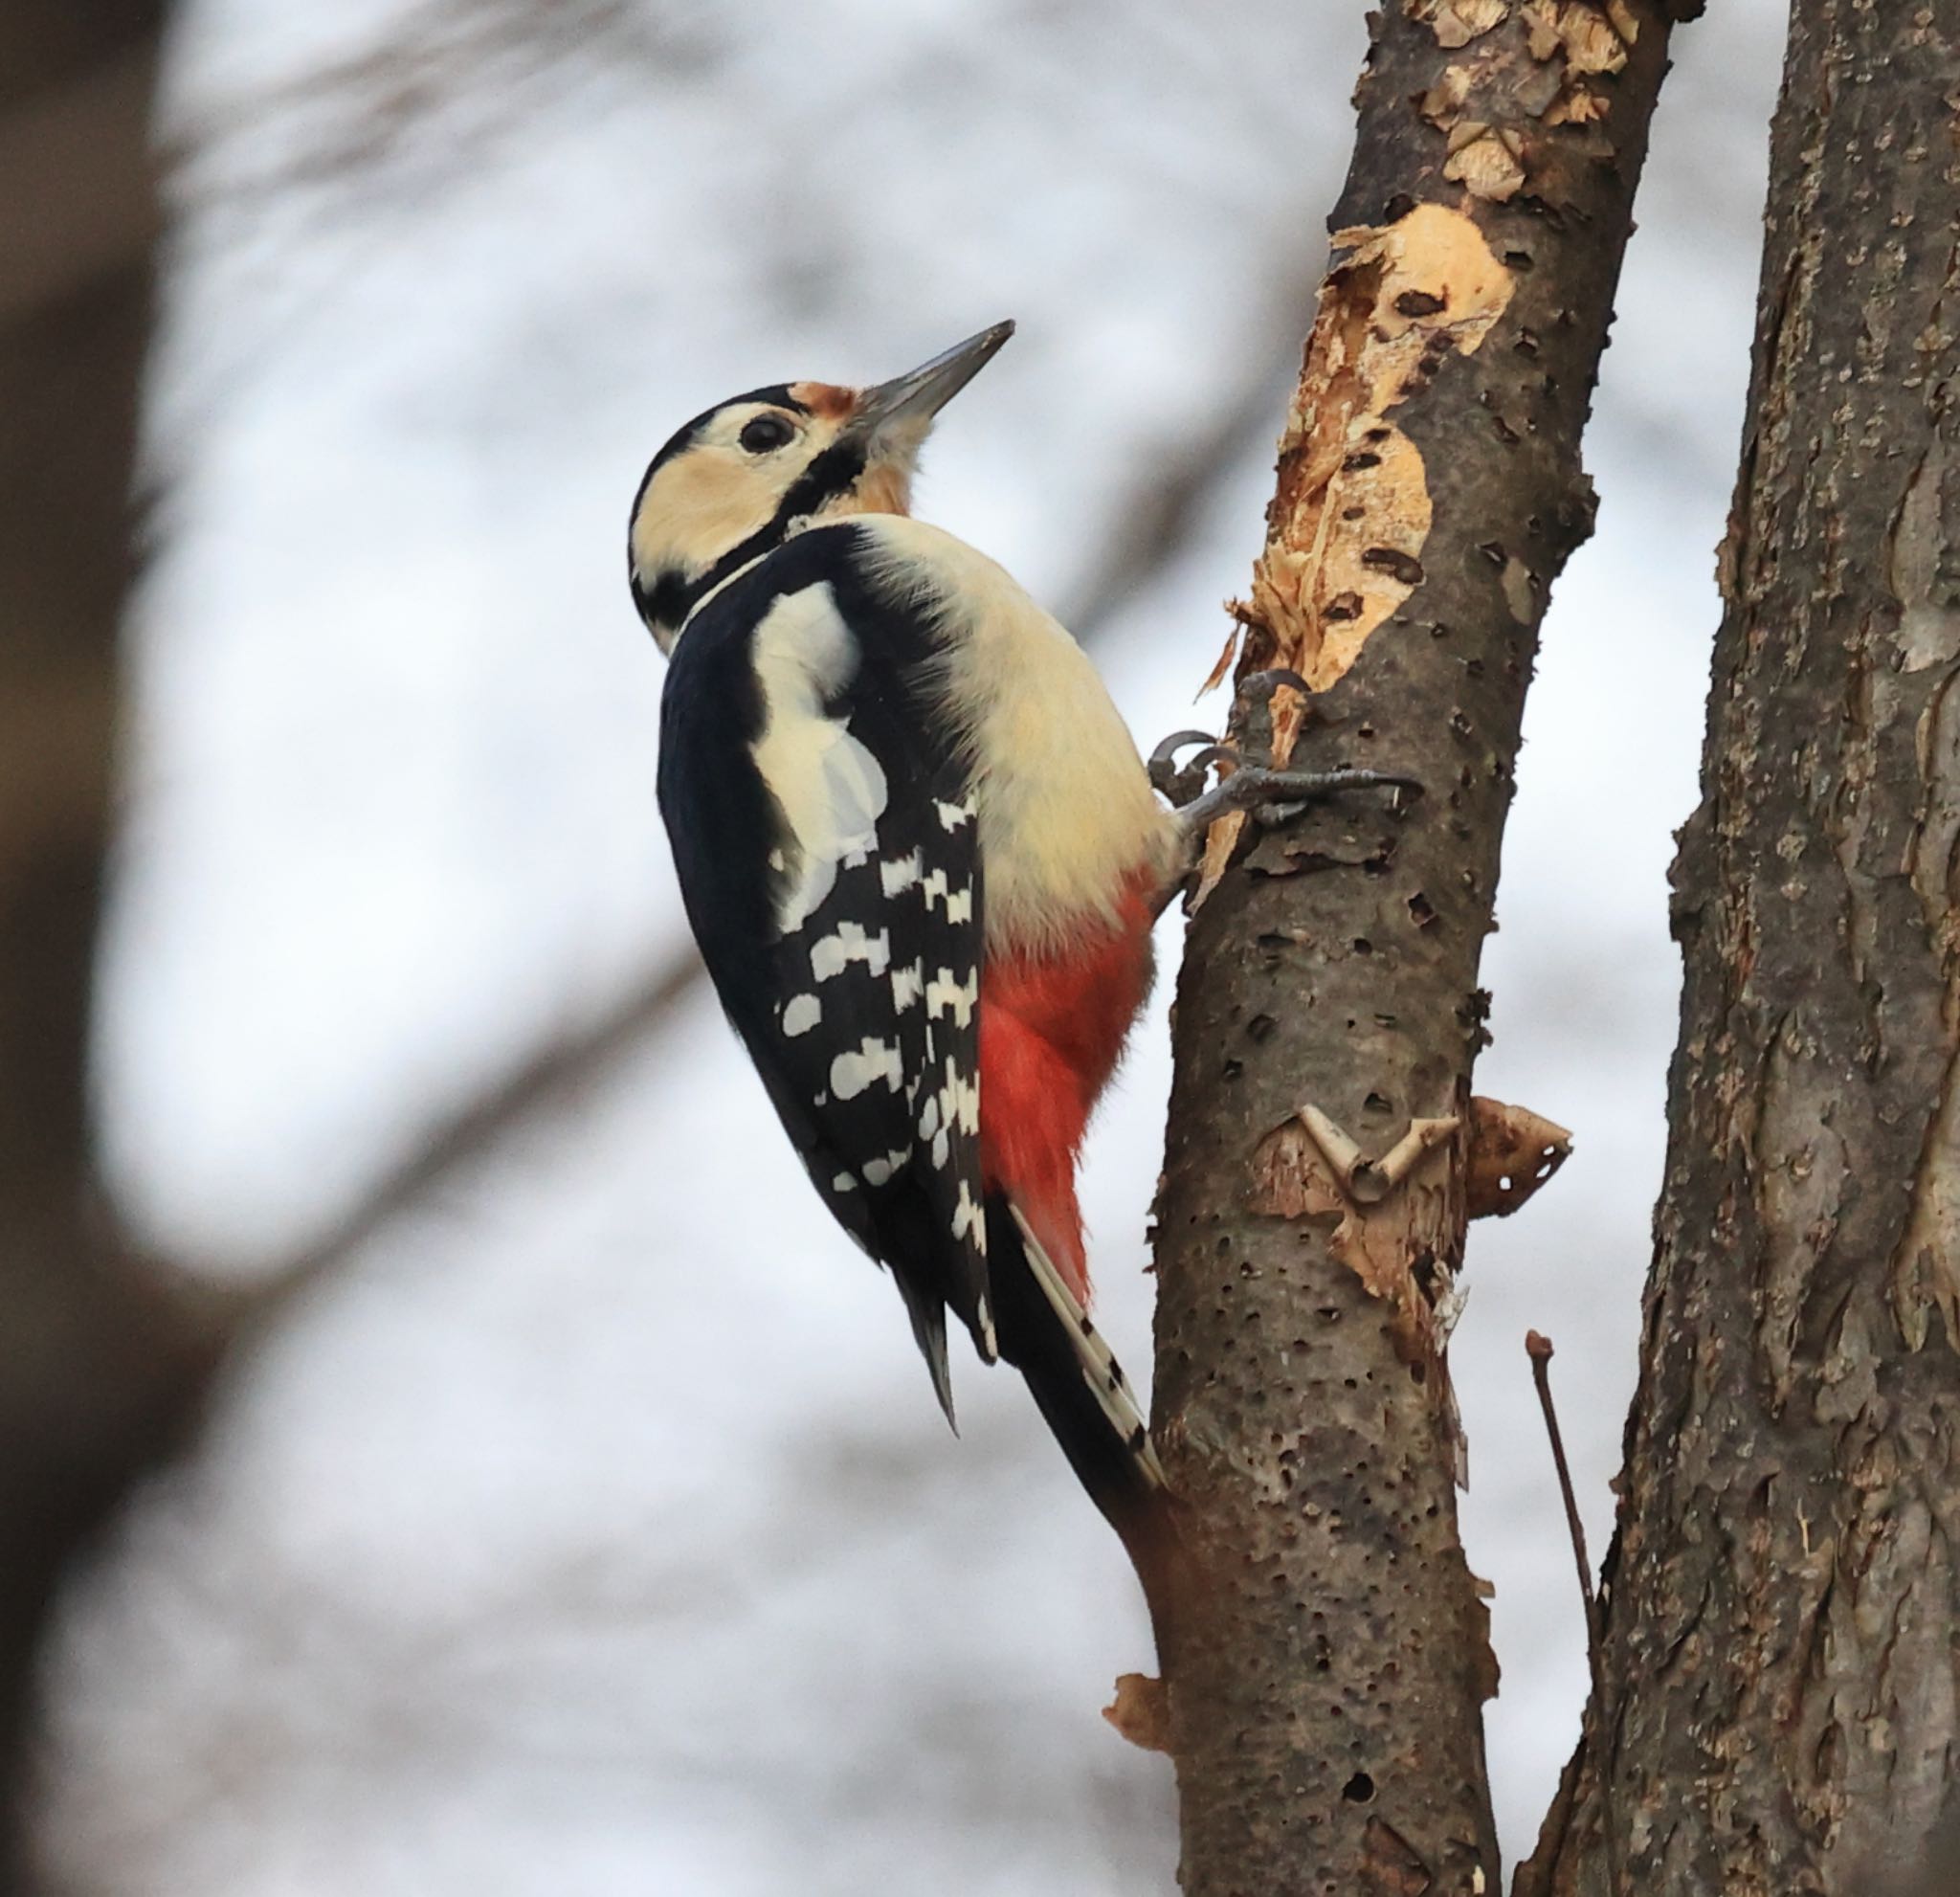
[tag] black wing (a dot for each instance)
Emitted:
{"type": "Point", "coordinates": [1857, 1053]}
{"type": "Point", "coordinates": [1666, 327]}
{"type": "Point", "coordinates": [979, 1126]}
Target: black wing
{"type": "Point", "coordinates": [847, 957]}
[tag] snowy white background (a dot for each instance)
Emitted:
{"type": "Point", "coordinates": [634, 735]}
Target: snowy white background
{"type": "Point", "coordinates": [594, 1531]}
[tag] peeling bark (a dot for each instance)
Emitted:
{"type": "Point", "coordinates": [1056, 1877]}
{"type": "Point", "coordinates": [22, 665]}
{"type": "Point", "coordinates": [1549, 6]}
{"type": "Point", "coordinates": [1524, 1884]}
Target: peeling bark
{"type": "Point", "coordinates": [1325, 1681]}
{"type": "Point", "coordinates": [1783, 1696]}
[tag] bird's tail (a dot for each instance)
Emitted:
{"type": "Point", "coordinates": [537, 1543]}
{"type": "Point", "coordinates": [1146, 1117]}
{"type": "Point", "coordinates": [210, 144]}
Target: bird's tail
{"type": "Point", "coordinates": [1081, 1391]}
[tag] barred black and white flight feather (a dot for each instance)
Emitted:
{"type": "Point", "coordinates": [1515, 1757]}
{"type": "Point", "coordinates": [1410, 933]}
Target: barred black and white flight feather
{"type": "Point", "coordinates": [823, 828]}
{"type": "Point", "coordinates": [1095, 1361]}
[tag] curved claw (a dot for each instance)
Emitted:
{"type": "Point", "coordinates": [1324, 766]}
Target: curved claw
{"type": "Point", "coordinates": [1162, 757]}
{"type": "Point", "coordinates": [1260, 686]}
{"type": "Point", "coordinates": [1179, 783]}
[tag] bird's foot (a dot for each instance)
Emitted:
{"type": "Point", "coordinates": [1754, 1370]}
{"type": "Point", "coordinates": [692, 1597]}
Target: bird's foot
{"type": "Point", "coordinates": [1271, 797]}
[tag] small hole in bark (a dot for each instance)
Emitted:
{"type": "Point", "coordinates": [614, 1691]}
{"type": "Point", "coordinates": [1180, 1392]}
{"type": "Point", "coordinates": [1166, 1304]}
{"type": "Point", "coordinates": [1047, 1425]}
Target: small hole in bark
{"type": "Point", "coordinates": [1376, 1103]}
{"type": "Point", "coordinates": [1418, 1372]}
{"type": "Point", "coordinates": [1418, 303]}
{"type": "Point", "coordinates": [1516, 259]}
{"type": "Point", "coordinates": [1359, 461]}
{"type": "Point", "coordinates": [1397, 565]}
{"type": "Point", "coordinates": [1343, 606]}
{"type": "Point", "coordinates": [1359, 1789]}
{"type": "Point", "coordinates": [1362, 946]}
{"type": "Point", "coordinates": [1421, 910]}
{"type": "Point", "coordinates": [1232, 1069]}
{"type": "Point", "coordinates": [1260, 1026]}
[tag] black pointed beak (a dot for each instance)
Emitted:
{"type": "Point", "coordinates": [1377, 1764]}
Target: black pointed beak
{"type": "Point", "coordinates": [915, 397]}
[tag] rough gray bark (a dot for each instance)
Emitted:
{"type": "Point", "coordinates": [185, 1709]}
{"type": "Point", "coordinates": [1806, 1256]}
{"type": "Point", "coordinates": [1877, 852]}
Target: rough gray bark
{"type": "Point", "coordinates": [1780, 1660]}
{"type": "Point", "coordinates": [96, 1364]}
{"type": "Point", "coordinates": [1325, 1682]}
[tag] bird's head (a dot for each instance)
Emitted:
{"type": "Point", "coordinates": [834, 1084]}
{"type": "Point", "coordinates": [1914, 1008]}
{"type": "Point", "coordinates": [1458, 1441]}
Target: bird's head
{"type": "Point", "coordinates": [751, 471]}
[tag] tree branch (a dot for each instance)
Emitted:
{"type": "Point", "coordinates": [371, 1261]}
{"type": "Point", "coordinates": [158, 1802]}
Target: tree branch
{"type": "Point", "coordinates": [100, 1369]}
{"type": "Point", "coordinates": [1783, 1590]}
{"type": "Point", "coordinates": [1325, 1679]}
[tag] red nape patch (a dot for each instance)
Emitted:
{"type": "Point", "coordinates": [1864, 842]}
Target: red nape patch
{"type": "Point", "coordinates": [825, 398]}
{"type": "Point", "coordinates": [1051, 1029]}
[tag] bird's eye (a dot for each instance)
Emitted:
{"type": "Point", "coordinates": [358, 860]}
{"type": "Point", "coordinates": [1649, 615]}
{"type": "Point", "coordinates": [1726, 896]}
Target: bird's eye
{"type": "Point", "coordinates": [766, 434]}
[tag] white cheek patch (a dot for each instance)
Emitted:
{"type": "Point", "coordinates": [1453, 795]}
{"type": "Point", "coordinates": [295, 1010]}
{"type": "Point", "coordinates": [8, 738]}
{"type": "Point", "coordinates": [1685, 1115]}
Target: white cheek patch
{"type": "Point", "coordinates": [828, 785]}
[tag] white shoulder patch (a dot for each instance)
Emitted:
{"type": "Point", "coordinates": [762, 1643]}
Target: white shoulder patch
{"type": "Point", "coordinates": [830, 786]}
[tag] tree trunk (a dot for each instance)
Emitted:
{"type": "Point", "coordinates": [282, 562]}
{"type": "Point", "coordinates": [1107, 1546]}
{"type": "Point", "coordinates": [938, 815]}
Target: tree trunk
{"type": "Point", "coordinates": [1780, 1668]}
{"type": "Point", "coordinates": [96, 1364]}
{"type": "Point", "coordinates": [1325, 1683]}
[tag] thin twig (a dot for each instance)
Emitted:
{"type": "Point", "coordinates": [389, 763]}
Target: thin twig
{"type": "Point", "coordinates": [1538, 1348]}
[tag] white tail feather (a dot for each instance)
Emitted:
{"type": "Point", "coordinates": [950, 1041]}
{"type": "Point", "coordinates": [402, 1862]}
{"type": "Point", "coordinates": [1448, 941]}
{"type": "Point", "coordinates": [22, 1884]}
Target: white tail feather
{"type": "Point", "coordinates": [1100, 1370]}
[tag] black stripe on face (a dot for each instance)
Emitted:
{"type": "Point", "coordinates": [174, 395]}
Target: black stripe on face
{"type": "Point", "coordinates": [833, 472]}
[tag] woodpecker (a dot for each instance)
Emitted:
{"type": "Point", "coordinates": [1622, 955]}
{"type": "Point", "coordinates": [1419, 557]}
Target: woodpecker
{"type": "Point", "coordinates": [922, 857]}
